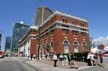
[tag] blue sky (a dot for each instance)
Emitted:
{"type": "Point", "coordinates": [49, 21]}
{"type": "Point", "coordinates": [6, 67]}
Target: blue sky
{"type": "Point", "coordinates": [96, 11]}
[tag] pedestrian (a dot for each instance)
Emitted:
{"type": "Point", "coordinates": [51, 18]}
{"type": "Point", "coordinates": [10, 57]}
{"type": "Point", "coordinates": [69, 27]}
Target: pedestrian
{"type": "Point", "coordinates": [47, 56]}
{"type": "Point", "coordinates": [61, 57]}
{"type": "Point", "coordinates": [96, 58]}
{"type": "Point", "coordinates": [89, 59]}
{"type": "Point", "coordinates": [31, 56]}
{"type": "Point", "coordinates": [72, 62]}
{"type": "Point", "coordinates": [101, 58]}
{"type": "Point", "coordinates": [64, 59]}
{"type": "Point", "coordinates": [55, 59]}
{"type": "Point", "coordinates": [34, 56]}
{"type": "Point", "coordinates": [69, 58]}
{"type": "Point", "coordinates": [51, 55]}
{"type": "Point", "coordinates": [92, 58]}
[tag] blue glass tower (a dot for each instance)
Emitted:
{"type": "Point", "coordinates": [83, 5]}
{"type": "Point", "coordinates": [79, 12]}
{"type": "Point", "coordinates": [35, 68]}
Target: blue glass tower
{"type": "Point", "coordinates": [19, 31]}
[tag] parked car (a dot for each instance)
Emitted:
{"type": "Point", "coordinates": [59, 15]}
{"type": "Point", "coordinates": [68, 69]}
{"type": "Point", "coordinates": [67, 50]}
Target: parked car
{"type": "Point", "coordinates": [1, 54]}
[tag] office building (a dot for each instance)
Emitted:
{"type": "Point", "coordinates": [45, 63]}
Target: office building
{"type": "Point", "coordinates": [19, 31]}
{"type": "Point", "coordinates": [8, 43]}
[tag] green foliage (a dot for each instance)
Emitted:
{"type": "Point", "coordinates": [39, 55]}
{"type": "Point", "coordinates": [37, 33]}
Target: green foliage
{"type": "Point", "coordinates": [81, 55]}
{"type": "Point", "coordinates": [58, 55]}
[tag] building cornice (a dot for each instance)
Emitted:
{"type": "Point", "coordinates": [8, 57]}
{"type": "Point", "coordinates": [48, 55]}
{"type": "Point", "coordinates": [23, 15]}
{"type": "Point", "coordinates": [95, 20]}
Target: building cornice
{"type": "Point", "coordinates": [31, 36]}
{"type": "Point", "coordinates": [63, 14]}
{"type": "Point", "coordinates": [70, 16]}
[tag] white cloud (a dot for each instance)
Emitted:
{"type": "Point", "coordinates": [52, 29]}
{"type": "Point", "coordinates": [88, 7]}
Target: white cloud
{"type": "Point", "coordinates": [107, 37]}
{"type": "Point", "coordinates": [101, 40]}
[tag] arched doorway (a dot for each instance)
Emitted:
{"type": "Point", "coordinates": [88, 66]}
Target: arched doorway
{"type": "Point", "coordinates": [75, 45]}
{"type": "Point", "coordinates": [66, 46]}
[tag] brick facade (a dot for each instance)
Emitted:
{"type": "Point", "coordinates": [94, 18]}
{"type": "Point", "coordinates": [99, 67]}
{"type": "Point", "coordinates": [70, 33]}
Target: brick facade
{"type": "Point", "coordinates": [61, 34]}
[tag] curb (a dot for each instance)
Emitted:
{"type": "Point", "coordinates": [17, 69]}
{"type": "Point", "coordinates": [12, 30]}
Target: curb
{"type": "Point", "coordinates": [35, 68]}
{"type": "Point", "coordinates": [39, 69]}
{"type": "Point", "coordinates": [30, 65]}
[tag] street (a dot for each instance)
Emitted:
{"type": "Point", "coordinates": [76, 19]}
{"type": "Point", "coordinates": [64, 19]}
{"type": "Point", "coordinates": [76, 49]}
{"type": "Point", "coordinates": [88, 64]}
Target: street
{"type": "Point", "coordinates": [14, 64]}
{"type": "Point", "coordinates": [18, 64]}
{"type": "Point", "coordinates": [97, 68]}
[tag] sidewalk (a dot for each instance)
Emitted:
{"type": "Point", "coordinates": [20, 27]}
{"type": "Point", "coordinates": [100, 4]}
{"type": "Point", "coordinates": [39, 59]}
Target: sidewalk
{"type": "Point", "coordinates": [47, 65]}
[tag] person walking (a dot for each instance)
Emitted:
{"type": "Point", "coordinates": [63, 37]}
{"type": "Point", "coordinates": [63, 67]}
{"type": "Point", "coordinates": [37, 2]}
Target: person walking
{"type": "Point", "coordinates": [72, 62]}
{"type": "Point", "coordinates": [55, 59]}
{"type": "Point", "coordinates": [101, 58]}
{"type": "Point", "coordinates": [61, 58]}
{"type": "Point", "coordinates": [89, 59]}
{"type": "Point", "coordinates": [34, 56]}
{"type": "Point", "coordinates": [31, 56]}
{"type": "Point", "coordinates": [96, 58]}
{"type": "Point", "coordinates": [69, 58]}
{"type": "Point", "coordinates": [64, 59]}
{"type": "Point", "coordinates": [92, 59]}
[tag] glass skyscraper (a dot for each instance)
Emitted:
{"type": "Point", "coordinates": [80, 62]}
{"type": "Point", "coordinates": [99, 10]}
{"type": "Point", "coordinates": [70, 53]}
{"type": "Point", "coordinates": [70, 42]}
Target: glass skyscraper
{"type": "Point", "coordinates": [19, 31]}
{"type": "Point", "coordinates": [8, 43]}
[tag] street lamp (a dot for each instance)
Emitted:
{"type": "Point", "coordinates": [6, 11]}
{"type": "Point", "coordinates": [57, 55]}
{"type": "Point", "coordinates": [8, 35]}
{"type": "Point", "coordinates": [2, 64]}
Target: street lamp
{"type": "Point", "coordinates": [39, 42]}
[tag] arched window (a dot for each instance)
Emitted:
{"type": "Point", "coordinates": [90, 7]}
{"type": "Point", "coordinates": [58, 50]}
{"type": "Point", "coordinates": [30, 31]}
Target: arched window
{"type": "Point", "coordinates": [75, 45]}
{"type": "Point", "coordinates": [66, 46]}
{"type": "Point", "coordinates": [51, 46]}
{"type": "Point", "coordinates": [84, 45]}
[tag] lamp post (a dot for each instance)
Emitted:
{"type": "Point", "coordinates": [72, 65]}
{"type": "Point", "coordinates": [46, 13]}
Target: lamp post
{"type": "Point", "coordinates": [39, 42]}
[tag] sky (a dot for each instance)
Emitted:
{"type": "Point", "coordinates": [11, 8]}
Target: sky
{"type": "Point", "coordinates": [95, 11]}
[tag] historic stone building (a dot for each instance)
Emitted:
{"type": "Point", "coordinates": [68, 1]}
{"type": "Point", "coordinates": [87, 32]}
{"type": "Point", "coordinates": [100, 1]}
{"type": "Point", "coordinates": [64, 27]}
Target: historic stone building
{"type": "Point", "coordinates": [60, 33]}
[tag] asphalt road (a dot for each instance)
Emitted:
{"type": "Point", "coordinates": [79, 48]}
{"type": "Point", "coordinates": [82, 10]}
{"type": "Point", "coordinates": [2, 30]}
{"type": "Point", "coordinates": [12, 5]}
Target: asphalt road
{"type": "Point", "coordinates": [13, 64]}
{"type": "Point", "coordinates": [17, 64]}
{"type": "Point", "coordinates": [97, 68]}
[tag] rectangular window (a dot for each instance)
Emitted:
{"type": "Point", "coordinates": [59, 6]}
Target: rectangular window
{"type": "Point", "coordinates": [74, 22]}
{"type": "Point", "coordinates": [67, 26]}
{"type": "Point", "coordinates": [83, 34]}
{"type": "Point", "coordinates": [83, 29]}
{"type": "Point", "coordinates": [82, 24]}
{"type": "Point", "coordinates": [65, 31]}
{"type": "Point", "coordinates": [64, 20]}
{"type": "Point", "coordinates": [51, 32]}
{"type": "Point", "coordinates": [46, 34]}
{"type": "Point", "coordinates": [75, 32]}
